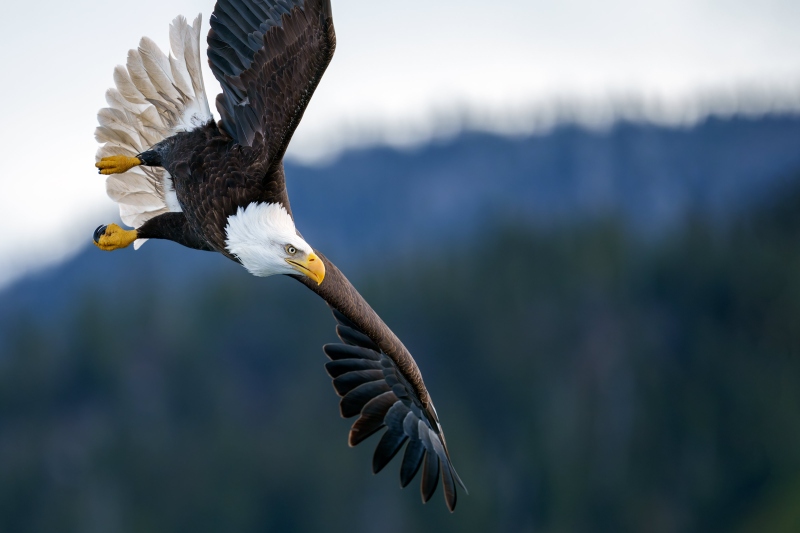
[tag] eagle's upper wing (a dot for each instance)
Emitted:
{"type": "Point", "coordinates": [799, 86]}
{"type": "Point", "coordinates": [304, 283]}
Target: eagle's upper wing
{"type": "Point", "coordinates": [269, 56]}
{"type": "Point", "coordinates": [373, 389]}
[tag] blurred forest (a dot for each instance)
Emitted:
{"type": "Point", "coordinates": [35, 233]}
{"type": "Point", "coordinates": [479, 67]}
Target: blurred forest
{"type": "Point", "coordinates": [597, 370]}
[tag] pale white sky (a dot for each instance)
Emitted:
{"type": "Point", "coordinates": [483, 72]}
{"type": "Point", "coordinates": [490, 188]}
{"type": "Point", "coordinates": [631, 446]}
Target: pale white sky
{"type": "Point", "coordinates": [400, 69]}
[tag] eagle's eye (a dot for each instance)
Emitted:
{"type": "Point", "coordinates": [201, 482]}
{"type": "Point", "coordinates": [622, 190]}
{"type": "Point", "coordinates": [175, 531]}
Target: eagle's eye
{"type": "Point", "coordinates": [291, 250]}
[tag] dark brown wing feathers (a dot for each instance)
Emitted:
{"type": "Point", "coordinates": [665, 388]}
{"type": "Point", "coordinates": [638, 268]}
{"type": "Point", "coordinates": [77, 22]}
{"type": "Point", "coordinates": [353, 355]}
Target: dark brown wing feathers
{"type": "Point", "coordinates": [269, 57]}
{"type": "Point", "coordinates": [379, 381]}
{"type": "Point", "coordinates": [384, 399]}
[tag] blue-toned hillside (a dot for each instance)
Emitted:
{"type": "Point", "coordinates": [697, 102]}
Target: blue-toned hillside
{"type": "Point", "coordinates": [651, 176]}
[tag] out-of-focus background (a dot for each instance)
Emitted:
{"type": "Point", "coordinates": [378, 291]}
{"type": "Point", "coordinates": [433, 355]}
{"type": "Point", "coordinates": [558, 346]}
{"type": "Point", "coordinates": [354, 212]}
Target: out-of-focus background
{"type": "Point", "coordinates": [583, 220]}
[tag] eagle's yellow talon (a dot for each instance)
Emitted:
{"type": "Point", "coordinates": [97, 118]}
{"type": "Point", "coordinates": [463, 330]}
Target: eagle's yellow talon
{"type": "Point", "coordinates": [112, 237]}
{"type": "Point", "coordinates": [117, 164]}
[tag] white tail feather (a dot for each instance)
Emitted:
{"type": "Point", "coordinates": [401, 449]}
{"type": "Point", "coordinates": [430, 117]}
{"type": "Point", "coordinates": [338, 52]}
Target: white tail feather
{"type": "Point", "coordinates": [192, 59]}
{"type": "Point", "coordinates": [157, 66]}
{"type": "Point", "coordinates": [177, 60]}
{"type": "Point", "coordinates": [155, 97]}
{"type": "Point", "coordinates": [126, 87]}
{"type": "Point", "coordinates": [140, 78]}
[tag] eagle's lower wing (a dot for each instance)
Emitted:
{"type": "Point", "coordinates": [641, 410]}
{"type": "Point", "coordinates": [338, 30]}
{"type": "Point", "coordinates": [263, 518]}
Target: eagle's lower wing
{"type": "Point", "coordinates": [269, 56]}
{"type": "Point", "coordinates": [372, 389]}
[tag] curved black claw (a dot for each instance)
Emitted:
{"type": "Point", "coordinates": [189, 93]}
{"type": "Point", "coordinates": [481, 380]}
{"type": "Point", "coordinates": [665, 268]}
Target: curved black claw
{"type": "Point", "coordinates": [99, 232]}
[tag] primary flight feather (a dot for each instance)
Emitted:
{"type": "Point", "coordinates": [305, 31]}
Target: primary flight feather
{"type": "Point", "coordinates": [219, 186]}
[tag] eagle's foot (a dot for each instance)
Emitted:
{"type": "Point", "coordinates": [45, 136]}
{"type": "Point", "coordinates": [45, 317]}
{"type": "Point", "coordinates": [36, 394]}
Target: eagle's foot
{"type": "Point", "coordinates": [112, 237]}
{"type": "Point", "coordinates": [116, 164]}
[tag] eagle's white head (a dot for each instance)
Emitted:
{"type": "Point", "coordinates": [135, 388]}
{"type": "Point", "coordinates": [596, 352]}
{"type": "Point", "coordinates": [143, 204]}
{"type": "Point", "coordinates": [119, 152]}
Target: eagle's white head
{"type": "Point", "coordinates": [263, 237]}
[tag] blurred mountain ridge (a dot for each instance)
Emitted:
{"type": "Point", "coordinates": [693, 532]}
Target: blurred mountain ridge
{"type": "Point", "coordinates": [383, 201]}
{"type": "Point", "coordinates": [651, 176]}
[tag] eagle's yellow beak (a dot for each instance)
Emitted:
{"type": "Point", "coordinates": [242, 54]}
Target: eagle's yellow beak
{"type": "Point", "coordinates": [312, 266]}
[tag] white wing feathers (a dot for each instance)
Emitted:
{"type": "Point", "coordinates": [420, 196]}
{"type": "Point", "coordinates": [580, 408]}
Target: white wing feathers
{"type": "Point", "coordinates": [155, 97]}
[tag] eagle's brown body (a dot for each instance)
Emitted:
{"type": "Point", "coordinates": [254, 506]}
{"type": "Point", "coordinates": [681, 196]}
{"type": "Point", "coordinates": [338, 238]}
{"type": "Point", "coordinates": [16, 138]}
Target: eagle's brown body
{"type": "Point", "coordinates": [212, 176]}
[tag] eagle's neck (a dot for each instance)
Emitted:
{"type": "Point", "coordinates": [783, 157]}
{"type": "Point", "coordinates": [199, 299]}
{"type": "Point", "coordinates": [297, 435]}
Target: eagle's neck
{"type": "Point", "coordinates": [340, 294]}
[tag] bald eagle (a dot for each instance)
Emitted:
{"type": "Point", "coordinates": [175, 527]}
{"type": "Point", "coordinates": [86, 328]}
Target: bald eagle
{"type": "Point", "coordinates": [219, 186]}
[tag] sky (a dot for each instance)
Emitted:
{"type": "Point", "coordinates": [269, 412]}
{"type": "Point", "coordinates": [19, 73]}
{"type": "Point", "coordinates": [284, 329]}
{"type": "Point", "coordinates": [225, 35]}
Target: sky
{"type": "Point", "coordinates": [402, 73]}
